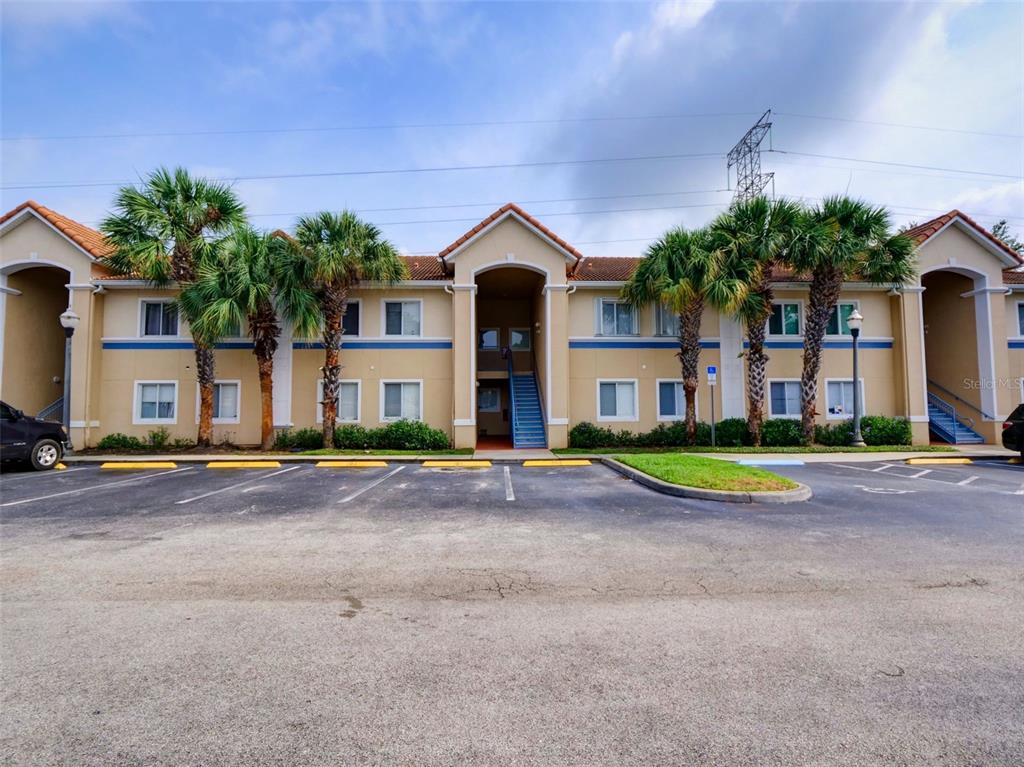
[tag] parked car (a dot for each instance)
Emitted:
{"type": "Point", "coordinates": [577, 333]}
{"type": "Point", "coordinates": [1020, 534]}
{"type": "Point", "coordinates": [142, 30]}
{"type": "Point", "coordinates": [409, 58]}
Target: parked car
{"type": "Point", "coordinates": [24, 438]}
{"type": "Point", "coordinates": [1013, 431]}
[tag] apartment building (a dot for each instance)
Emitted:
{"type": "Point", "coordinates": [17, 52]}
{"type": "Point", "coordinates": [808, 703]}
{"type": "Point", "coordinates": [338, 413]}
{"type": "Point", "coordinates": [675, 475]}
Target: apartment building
{"type": "Point", "coordinates": [509, 317]}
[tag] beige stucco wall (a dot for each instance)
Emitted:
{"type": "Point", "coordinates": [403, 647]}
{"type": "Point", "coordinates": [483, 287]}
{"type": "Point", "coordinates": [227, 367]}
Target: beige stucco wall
{"type": "Point", "coordinates": [583, 315]}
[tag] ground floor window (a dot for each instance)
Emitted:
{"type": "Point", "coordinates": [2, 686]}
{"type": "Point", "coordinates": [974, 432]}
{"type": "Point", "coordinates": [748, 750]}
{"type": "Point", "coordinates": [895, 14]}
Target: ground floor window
{"type": "Point", "coordinates": [401, 399]}
{"type": "Point", "coordinates": [784, 399]}
{"type": "Point", "coordinates": [671, 400]}
{"type": "Point", "coordinates": [616, 400]}
{"type": "Point", "coordinates": [839, 398]}
{"type": "Point", "coordinates": [226, 401]}
{"type": "Point", "coordinates": [156, 401]}
{"type": "Point", "coordinates": [348, 401]}
{"type": "Point", "coordinates": [488, 400]}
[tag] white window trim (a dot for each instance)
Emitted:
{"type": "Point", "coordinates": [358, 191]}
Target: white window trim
{"type": "Point", "coordinates": [358, 302]}
{"type": "Point", "coordinates": [359, 400]}
{"type": "Point", "coordinates": [1020, 320]}
{"type": "Point", "coordinates": [845, 416]}
{"type": "Point", "coordinates": [480, 332]}
{"type": "Point", "coordinates": [384, 317]}
{"type": "Point", "coordinates": [238, 383]}
{"type": "Point", "coordinates": [599, 318]}
{"type": "Point", "coordinates": [768, 391]}
{"type": "Point", "coordinates": [141, 326]}
{"type": "Point", "coordinates": [636, 401]}
{"type": "Point", "coordinates": [137, 419]}
{"type": "Point", "coordinates": [779, 302]}
{"type": "Point", "coordinates": [528, 332]}
{"type": "Point", "coordinates": [657, 400]}
{"type": "Point", "coordinates": [654, 322]}
{"type": "Point", "coordinates": [840, 302]}
{"type": "Point", "coordinates": [496, 409]}
{"type": "Point", "coordinates": [399, 381]}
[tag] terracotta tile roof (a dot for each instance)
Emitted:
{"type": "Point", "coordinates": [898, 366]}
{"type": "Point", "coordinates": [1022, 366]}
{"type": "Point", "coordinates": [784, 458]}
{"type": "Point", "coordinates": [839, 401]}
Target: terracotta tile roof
{"type": "Point", "coordinates": [86, 238]}
{"type": "Point", "coordinates": [498, 214]}
{"type": "Point", "coordinates": [605, 268]}
{"type": "Point", "coordinates": [425, 267]}
{"type": "Point", "coordinates": [922, 232]}
{"type": "Point", "coordinates": [1013, 277]}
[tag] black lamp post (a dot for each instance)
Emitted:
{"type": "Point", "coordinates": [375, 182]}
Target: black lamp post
{"type": "Point", "coordinates": [69, 321]}
{"type": "Point", "coordinates": [855, 321]}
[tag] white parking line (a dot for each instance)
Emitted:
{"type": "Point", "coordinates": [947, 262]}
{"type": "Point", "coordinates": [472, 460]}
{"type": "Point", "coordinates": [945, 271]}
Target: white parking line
{"type": "Point", "coordinates": [1019, 491]}
{"type": "Point", "coordinates": [883, 467]}
{"type": "Point", "coordinates": [920, 473]}
{"type": "Point", "coordinates": [357, 493]}
{"type": "Point", "coordinates": [967, 481]}
{"type": "Point", "coordinates": [38, 475]}
{"type": "Point", "coordinates": [237, 485]}
{"type": "Point", "coordinates": [78, 490]}
{"type": "Point", "coordinates": [509, 495]}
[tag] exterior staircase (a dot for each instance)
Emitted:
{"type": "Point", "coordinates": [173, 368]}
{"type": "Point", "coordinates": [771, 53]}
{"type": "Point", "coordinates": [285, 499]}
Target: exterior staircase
{"type": "Point", "coordinates": [945, 423]}
{"type": "Point", "coordinates": [52, 412]}
{"type": "Point", "coordinates": [527, 415]}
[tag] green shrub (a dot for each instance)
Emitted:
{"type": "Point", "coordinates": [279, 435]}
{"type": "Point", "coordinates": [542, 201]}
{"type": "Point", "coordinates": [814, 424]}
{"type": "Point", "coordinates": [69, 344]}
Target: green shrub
{"type": "Point", "coordinates": [834, 434]}
{"type": "Point", "coordinates": [732, 432]}
{"type": "Point", "coordinates": [119, 441]}
{"type": "Point", "coordinates": [781, 432]}
{"type": "Point", "coordinates": [182, 443]}
{"type": "Point", "coordinates": [587, 436]}
{"type": "Point", "coordinates": [883, 430]}
{"type": "Point", "coordinates": [352, 437]}
{"type": "Point", "coordinates": [158, 438]}
{"type": "Point", "coordinates": [408, 435]}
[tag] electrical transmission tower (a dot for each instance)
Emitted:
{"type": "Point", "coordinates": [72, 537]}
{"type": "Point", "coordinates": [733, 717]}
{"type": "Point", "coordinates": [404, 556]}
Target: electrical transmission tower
{"type": "Point", "coordinates": [746, 156]}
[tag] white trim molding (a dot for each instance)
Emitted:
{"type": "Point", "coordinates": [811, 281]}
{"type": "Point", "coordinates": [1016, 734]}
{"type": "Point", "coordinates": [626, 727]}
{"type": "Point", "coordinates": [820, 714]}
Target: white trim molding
{"type": "Point", "coordinates": [137, 419]}
{"type": "Point", "coordinates": [383, 381]}
{"type": "Point", "coordinates": [636, 400]}
{"type": "Point", "coordinates": [238, 404]}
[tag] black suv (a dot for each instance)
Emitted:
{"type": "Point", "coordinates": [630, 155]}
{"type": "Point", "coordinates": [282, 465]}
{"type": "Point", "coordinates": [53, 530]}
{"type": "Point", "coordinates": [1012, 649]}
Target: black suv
{"type": "Point", "coordinates": [1013, 431]}
{"type": "Point", "coordinates": [24, 438]}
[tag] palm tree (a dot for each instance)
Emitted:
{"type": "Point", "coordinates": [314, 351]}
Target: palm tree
{"type": "Point", "coordinates": [753, 238]}
{"type": "Point", "coordinates": [842, 239]}
{"type": "Point", "coordinates": [161, 232]}
{"type": "Point", "coordinates": [339, 251]}
{"type": "Point", "coordinates": [678, 271]}
{"type": "Point", "coordinates": [252, 278]}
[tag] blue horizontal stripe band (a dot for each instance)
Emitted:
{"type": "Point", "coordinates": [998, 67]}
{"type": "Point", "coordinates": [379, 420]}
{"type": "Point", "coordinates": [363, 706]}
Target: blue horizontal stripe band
{"type": "Point", "coordinates": [626, 344]}
{"type": "Point", "coordinates": [826, 344]}
{"type": "Point", "coordinates": [1017, 344]}
{"type": "Point", "coordinates": [377, 345]}
{"type": "Point", "coordinates": [171, 345]}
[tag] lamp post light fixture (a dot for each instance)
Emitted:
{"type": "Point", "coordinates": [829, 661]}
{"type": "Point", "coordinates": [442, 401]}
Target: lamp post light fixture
{"type": "Point", "coordinates": [69, 321]}
{"type": "Point", "coordinates": [855, 322]}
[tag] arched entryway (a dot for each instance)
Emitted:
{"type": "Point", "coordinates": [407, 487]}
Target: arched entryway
{"type": "Point", "coordinates": [958, 354]}
{"type": "Point", "coordinates": [34, 296]}
{"type": "Point", "coordinates": [510, 353]}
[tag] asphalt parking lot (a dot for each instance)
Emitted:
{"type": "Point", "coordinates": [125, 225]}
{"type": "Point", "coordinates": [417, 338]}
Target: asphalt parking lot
{"type": "Point", "coordinates": [509, 615]}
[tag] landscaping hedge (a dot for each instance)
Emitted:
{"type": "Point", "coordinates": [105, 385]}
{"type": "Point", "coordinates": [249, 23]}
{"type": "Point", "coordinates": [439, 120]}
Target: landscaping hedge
{"type": "Point", "coordinates": [876, 430]}
{"type": "Point", "coordinates": [399, 435]}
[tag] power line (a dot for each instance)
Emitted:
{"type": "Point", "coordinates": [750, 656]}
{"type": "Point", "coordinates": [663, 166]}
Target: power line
{"type": "Point", "coordinates": [388, 171]}
{"type": "Point", "coordinates": [880, 171]}
{"type": "Point", "coordinates": [894, 164]}
{"type": "Point", "coordinates": [879, 123]}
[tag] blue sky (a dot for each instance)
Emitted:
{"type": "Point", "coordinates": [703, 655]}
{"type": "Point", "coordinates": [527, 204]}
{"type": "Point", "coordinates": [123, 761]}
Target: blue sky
{"type": "Point", "coordinates": [698, 74]}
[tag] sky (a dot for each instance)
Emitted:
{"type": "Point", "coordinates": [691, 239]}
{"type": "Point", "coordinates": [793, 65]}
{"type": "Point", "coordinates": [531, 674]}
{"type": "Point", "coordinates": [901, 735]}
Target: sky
{"type": "Point", "coordinates": [608, 121]}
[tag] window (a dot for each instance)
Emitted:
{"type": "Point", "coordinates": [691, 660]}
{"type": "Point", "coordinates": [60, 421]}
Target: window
{"type": "Point", "coordinates": [666, 321]}
{"type": "Point", "coordinates": [616, 400]}
{"type": "Point", "coordinates": [1020, 317]}
{"type": "Point", "coordinates": [617, 318]}
{"type": "Point", "coordinates": [225, 401]}
{"type": "Point", "coordinates": [838, 321]}
{"type": "Point", "coordinates": [784, 399]}
{"type": "Point", "coordinates": [401, 399]}
{"type": "Point", "coordinates": [402, 318]}
{"type": "Point", "coordinates": [785, 320]}
{"type": "Point", "coordinates": [519, 339]}
{"type": "Point", "coordinates": [488, 400]}
{"type": "Point", "coordinates": [159, 318]}
{"type": "Point", "coordinates": [839, 398]}
{"type": "Point", "coordinates": [488, 340]}
{"type": "Point", "coordinates": [350, 322]}
{"type": "Point", "coordinates": [348, 401]}
{"type": "Point", "coordinates": [156, 401]}
{"type": "Point", "coordinates": [671, 401]}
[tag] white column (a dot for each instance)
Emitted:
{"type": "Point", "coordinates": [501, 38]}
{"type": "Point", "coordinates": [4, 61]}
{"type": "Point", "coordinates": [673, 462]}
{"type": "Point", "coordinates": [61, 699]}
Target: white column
{"type": "Point", "coordinates": [731, 380]}
{"type": "Point", "coordinates": [986, 352]}
{"type": "Point", "coordinates": [283, 377]}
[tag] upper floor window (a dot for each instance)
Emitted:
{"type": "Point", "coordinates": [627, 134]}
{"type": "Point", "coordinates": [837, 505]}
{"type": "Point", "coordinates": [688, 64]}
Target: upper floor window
{"type": "Point", "coordinates": [838, 321]}
{"type": "Point", "coordinates": [402, 318]}
{"type": "Point", "coordinates": [159, 318]}
{"type": "Point", "coordinates": [488, 339]}
{"type": "Point", "coordinates": [1020, 317]}
{"type": "Point", "coordinates": [519, 339]}
{"type": "Point", "coordinates": [350, 322]}
{"type": "Point", "coordinates": [785, 319]}
{"type": "Point", "coordinates": [617, 318]}
{"type": "Point", "coordinates": [666, 321]}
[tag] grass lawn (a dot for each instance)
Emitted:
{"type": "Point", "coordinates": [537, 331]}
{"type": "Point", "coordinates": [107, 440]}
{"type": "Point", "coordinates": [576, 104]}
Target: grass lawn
{"type": "Point", "coordinates": [707, 473]}
{"type": "Point", "coordinates": [332, 451]}
{"type": "Point", "coordinates": [705, 449]}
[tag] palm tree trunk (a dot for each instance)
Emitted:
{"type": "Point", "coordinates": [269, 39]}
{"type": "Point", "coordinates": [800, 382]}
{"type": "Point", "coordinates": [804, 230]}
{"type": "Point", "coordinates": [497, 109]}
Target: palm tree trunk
{"type": "Point", "coordinates": [689, 361]}
{"type": "Point", "coordinates": [205, 375]}
{"type": "Point", "coordinates": [334, 310]}
{"type": "Point", "coordinates": [826, 285]}
{"type": "Point", "coordinates": [264, 328]}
